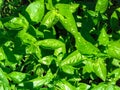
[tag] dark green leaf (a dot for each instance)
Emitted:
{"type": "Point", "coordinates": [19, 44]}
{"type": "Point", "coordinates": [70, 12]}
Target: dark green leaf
{"type": "Point", "coordinates": [39, 81]}
{"type": "Point", "coordinates": [114, 21]}
{"type": "Point", "coordinates": [10, 59]}
{"type": "Point", "coordinates": [1, 25]}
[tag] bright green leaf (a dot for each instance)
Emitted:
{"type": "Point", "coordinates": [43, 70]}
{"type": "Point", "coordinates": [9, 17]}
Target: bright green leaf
{"type": "Point", "coordinates": [64, 85]}
{"type": "Point", "coordinates": [36, 10]}
{"type": "Point", "coordinates": [68, 69]}
{"type": "Point", "coordinates": [50, 19]}
{"type": "Point", "coordinates": [103, 37]}
{"type": "Point", "coordinates": [3, 80]}
{"type": "Point", "coordinates": [101, 6]}
{"type": "Point", "coordinates": [50, 44]}
{"type": "Point", "coordinates": [83, 86]}
{"type": "Point", "coordinates": [114, 49]}
{"type": "Point", "coordinates": [74, 58]}
{"type": "Point", "coordinates": [85, 47]}
{"type": "Point", "coordinates": [2, 54]}
{"type": "Point", "coordinates": [100, 68]}
{"type": "Point", "coordinates": [17, 77]}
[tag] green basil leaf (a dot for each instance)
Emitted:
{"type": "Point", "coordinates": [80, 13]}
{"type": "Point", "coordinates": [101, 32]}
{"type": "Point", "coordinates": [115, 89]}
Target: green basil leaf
{"type": "Point", "coordinates": [83, 86]}
{"type": "Point", "coordinates": [35, 50]}
{"type": "Point", "coordinates": [85, 47]}
{"type": "Point", "coordinates": [100, 68]}
{"type": "Point", "coordinates": [66, 18]}
{"type": "Point", "coordinates": [26, 37]}
{"type": "Point", "coordinates": [101, 5]}
{"type": "Point", "coordinates": [2, 54]}
{"type": "Point", "coordinates": [50, 44]}
{"type": "Point", "coordinates": [39, 81]}
{"type": "Point", "coordinates": [68, 69]}
{"type": "Point", "coordinates": [103, 37]}
{"type": "Point", "coordinates": [88, 68]}
{"type": "Point", "coordinates": [114, 21]}
{"type": "Point", "coordinates": [110, 87]}
{"type": "Point", "coordinates": [1, 3]}
{"type": "Point", "coordinates": [17, 77]}
{"type": "Point", "coordinates": [59, 53]}
{"type": "Point", "coordinates": [73, 7]}
{"type": "Point", "coordinates": [116, 87]}
{"type": "Point", "coordinates": [1, 25]}
{"type": "Point", "coordinates": [64, 85]}
{"type": "Point", "coordinates": [36, 10]}
{"type": "Point", "coordinates": [100, 86]}
{"type": "Point", "coordinates": [49, 5]}
{"type": "Point", "coordinates": [114, 75]}
{"type": "Point", "coordinates": [3, 80]}
{"type": "Point", "coordinates": [114, 49]}
{"type": "Point", "coordinates": [50, 19]}
{"type": "Point", "coordinates": [74, 58]}
{"type": "Point", "coordinates": [17, 23]}
{"type": "Point", "coordinates": [10, 59]}
{"type": "Point", "coordinates": [46, 60]}
{"type": "Point", "coordinates": [116, 62]}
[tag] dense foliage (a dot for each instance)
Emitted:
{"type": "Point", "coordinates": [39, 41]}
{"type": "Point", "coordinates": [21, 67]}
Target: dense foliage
{"type": "Point", "coordinates": [59, 45]}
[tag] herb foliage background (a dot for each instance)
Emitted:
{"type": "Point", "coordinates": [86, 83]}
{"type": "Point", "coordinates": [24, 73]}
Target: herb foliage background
{"type": "Point", "coordinates": [59, 45]}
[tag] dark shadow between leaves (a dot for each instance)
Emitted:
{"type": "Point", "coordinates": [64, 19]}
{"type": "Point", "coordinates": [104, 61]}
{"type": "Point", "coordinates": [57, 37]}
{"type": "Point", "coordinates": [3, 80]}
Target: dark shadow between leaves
{"type": "Point", "coordinates": [10, 56]}
{"type": "Point", "coordinates": [87, 25]}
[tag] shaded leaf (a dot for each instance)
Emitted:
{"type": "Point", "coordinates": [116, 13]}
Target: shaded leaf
{"type": "Point", "coordinates": [114, 21]}
{"type": "Point", "coordinates": [39, 81]}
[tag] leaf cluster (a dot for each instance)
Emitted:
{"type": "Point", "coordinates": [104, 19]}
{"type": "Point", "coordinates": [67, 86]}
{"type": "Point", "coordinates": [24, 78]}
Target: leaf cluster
{"type": "Point", "coordinates": [59, 45]}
